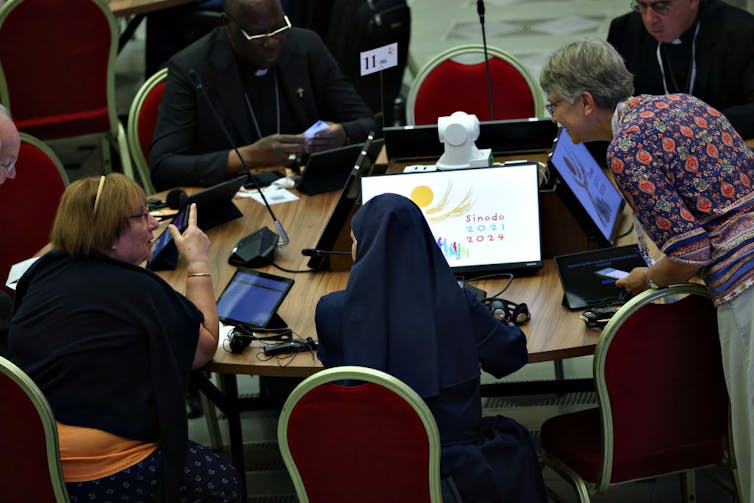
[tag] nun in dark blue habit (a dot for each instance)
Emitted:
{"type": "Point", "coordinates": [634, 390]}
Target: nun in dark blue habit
{"type": "Point", "coordinates": [403, 313]}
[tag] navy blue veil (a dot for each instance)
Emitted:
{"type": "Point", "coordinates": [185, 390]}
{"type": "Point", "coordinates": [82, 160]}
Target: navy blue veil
{"type": "Point", "coordinates": [404, 311]}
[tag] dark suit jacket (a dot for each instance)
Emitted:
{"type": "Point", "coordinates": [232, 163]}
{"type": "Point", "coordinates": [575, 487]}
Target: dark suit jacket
{"type": "Point", "coordinates": [724, 58]}
{"type": "Point", "coordinates": [190, 149]}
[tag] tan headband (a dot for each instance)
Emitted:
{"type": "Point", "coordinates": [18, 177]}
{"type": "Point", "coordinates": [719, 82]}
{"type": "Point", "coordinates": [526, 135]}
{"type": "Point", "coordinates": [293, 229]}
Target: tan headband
{"type": "Point", "coordinates": [99, 192]}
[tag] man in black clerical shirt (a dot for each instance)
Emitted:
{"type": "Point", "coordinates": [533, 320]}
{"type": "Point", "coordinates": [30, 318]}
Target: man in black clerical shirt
{"type": "Point", "coordinates": [269, 82]}
{"type": "Point", "coordinates": [10, 143]}
{"type": "Point", "coordinates": [699, 47]}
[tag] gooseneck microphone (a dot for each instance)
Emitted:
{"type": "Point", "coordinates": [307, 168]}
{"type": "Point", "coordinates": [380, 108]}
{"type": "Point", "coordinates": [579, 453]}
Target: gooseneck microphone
{"type": "Point", "coordinates": [314, 252]}
{"type": "Point", "coordinates": [200, 87]}
{"type": "Point", "coordinates": [480, 11]}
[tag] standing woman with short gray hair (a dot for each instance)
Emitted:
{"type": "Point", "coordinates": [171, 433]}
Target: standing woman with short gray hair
{"type": "Point", "coordinates": [688, 177]}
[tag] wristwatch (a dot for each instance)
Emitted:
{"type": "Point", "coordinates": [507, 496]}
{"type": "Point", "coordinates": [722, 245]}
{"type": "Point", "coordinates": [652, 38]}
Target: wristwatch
{"type": "Point", "coordinates": [652, 284]}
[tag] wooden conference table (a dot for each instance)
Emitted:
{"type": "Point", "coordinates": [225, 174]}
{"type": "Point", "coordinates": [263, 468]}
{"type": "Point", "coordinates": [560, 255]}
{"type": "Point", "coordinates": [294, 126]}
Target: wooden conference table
{"type": "Point", "coordinates": [553, 333]}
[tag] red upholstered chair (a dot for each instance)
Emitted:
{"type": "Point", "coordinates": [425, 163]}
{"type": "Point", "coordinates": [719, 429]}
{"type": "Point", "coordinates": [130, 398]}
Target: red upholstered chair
{"type": "Point", "coordinates": [375, 441]}
{"type": "Point", "coordinates": [663, 405]}
{"type": "Point", "coordinates": [456, 80]}
{"type": "Point", "coordinates": [57, 71]}
{"type": "Point", "coordinates": [30, 463]}
{"type": "Point", "coordinates": [28, 203]}
{"type": "Point", "coordinates": [142, 121]}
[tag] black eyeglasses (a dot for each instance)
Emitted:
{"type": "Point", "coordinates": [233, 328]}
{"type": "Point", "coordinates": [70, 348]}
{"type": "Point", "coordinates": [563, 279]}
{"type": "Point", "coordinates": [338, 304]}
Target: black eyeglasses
{"type": "Point", "coordinates": [661, 7]}
{"type": "Point", "coordinates": [260, 36]}
{"type": "Point", "coordinates": [551, 107]}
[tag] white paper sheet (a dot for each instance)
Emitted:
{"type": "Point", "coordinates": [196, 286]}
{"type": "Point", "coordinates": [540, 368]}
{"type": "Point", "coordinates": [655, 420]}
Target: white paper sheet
{"type": "Point", "coordinates": [18, 270]}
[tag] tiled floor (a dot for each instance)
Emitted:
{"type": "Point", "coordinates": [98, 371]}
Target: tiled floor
{"type": "Point", "coordinates": [530, 29]}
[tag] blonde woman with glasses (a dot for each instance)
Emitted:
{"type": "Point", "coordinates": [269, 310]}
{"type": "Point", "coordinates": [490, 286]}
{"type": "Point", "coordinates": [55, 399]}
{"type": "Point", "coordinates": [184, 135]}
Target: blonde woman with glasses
{"type": "Point", "coordinates": [111, 345]}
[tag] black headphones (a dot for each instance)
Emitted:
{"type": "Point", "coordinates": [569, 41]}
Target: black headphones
{"type": "Point", "coordinates": [507, 311]}
{"type": "Point", "coordinates": [240, 337]}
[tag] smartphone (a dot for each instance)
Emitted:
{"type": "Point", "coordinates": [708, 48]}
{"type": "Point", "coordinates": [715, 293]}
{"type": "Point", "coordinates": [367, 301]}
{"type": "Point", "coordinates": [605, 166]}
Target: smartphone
{"type": "Point", "coordinates": [611, 273]}
{"type": "Point", "coordinates": [316, 128]}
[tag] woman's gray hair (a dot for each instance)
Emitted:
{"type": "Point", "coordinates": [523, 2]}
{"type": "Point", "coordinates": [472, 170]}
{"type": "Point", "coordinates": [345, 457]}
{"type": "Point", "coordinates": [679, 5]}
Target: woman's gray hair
{"type": "Point", "coordinates": [590, 65]}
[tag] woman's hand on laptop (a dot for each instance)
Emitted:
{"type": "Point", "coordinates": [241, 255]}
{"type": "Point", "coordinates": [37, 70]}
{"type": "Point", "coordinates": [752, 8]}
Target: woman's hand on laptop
{"type": "Point", "coordinates": [635, 282]}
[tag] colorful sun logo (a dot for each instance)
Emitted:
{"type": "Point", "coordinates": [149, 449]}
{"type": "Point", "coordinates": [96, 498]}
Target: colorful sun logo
{"type": "Point", "coordinates": [422, 196]}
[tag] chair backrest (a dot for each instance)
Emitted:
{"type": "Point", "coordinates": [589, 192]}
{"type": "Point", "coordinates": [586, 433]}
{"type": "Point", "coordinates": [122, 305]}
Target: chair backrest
{"type": "Point", "coordinates": [455, 80]}
{"type": "Point", "coordinates": [659, 377]}
{"type": "Point", "coordinates": [30, 463]}
{"type": "Point", "coordinates": [142, 121]}
{"type": "Point", "coordinates": [57, 66]}
{"type": "Point", "coordinates": [372, 441]}
{"type": "Point", "coordinates": [28, 202]}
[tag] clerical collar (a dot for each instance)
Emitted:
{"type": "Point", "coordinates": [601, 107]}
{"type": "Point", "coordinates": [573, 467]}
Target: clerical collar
{"type": "Point", "coordinates": [691, 80]}
{"type": "Point", "coordinates": [261, 72]}
{"type": "Point", "coordinates": [687, 36]}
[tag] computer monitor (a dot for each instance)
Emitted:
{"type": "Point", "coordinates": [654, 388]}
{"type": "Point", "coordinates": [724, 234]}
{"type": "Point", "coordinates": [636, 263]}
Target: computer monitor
{"type": "Point", "coordinates": [502, 136]}
{"type": "Point", "coordinates": [328, 170]}
{"type": "Point", "coordinates": [484, 219]}
{"type": "Point", "coordinates": [586, 189]}
{"type": "Point", "coordinates": [348, 197]}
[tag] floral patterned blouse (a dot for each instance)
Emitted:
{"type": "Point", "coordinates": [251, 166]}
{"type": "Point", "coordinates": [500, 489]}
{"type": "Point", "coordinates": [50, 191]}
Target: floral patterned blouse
{"type": "Point", "coordinates": [688, 177]}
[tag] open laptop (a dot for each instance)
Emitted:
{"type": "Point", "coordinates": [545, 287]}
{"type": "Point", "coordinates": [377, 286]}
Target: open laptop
{"type": "Point", "coordinates": [584, 286]}
{"type": "Point", "coordinates": [328, 170]}
{"type": "Point", "coordinates": [348, 196]}
{"type": "Point", "coordinates": [586, 189]}
{"type": "Point", "coordinates": [214, 205]}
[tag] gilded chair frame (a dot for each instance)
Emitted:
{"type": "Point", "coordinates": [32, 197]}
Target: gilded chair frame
{"type": "Point", "coordinates": [139, 157]}
{"type": "Point", "coordinates": [356, 373]}
{"type": "Point", "coordinates": [36, 142]}
{"type": "Point", "coordinates": [47, 419]}
{"type": "Point", "coordinates": [116, 136]}
{"type": "Point", "coordinates": [475, 50]}
{"type": "Point", "coordinates": [586, 489]}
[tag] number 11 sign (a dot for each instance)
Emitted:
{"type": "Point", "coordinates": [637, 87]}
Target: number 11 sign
{"type": "Point", "coordinates": [379, 59]}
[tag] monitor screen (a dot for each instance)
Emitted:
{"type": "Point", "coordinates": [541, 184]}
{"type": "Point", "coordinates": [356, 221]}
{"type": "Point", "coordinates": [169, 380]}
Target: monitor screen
{"type": "Point", "coordinates": [484, 219]}
{"type": "Point", "coordinates": [589, 185]}
{"type": "Point", "coordinates": [348, 197]}
{"type": "Point", "coordinates": [252, 297]}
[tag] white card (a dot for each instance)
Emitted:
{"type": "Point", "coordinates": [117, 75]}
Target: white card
{"type": "Point", "coordinates": [378, 59]}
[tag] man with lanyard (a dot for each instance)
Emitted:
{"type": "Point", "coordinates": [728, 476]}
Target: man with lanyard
{"type": "Point", "coordinates": [269, 82]}
{"type": "Point", "coordinates": [700, 47]}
